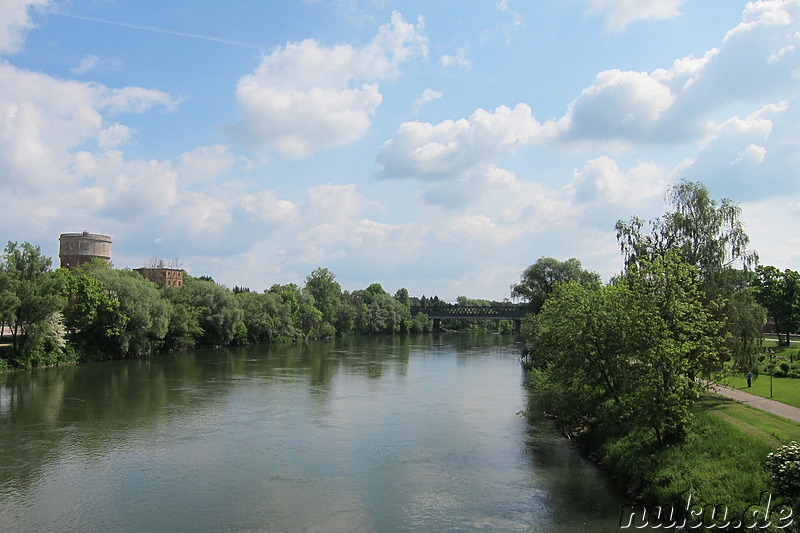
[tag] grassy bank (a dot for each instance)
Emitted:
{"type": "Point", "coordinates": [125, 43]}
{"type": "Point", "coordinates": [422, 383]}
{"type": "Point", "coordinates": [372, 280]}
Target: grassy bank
{"type": "Point", "coordinates": [721, 462]}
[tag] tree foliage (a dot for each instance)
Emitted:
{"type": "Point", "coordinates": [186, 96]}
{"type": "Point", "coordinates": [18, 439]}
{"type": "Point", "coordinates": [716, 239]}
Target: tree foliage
{"type": "Point", "coordinates": [708, 235]}
{"type": "Point", "coordinates": [779, 293]}
{"type": "Point", "coordinates": [96, 311]}
{"type": "Point", "coordinates": [539, 280]}
{"type": "Point", "coordinates": [30, 295]}
{"type": "Point", "coordinates": [634, 350]}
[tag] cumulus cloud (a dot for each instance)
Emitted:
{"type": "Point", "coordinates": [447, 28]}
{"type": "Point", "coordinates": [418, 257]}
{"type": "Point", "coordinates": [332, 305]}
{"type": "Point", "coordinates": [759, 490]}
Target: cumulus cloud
{"type": "Point", "coordinates": [208, 162]}
{"type": "Point", "coordinates": [620, 104]}
{"type": "Point", "coordinates": [619, 14]}
{"type": "Point", "coordinates": [306, 96]}
{"type": "Point", "coordinates": [15, 20]}
{"type": "Point", "coordinates": [601, 180]}
{"type": "Point", "coordinates": [739, 151]}
{"type": "Point", "coordinates": [453, 148]}
{"type": "Point", "coordinates": [43, 120]}
{"type": "Point", "coordinates": [756, 61]}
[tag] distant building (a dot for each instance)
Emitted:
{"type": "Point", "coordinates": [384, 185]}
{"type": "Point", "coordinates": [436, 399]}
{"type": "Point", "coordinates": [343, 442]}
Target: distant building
{"type": "Point", "coordinates": [162, 276]}
{"type": "Point", "coordinates": [78, 248]}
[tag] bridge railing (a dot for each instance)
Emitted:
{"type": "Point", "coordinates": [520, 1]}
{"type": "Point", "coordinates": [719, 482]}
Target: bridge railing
{"type": "Point", "coordinates": [499, 312]}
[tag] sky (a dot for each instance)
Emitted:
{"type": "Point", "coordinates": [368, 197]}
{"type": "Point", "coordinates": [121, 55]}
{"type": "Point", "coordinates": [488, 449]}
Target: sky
{"type": "Point", "coordinates": [441, 146]}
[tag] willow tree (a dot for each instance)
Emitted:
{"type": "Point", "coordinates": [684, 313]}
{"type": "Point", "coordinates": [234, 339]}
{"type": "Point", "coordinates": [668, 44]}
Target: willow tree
{"type": "Point", "coordinates": [710, 236]}
{"type": "Point", "coordinates": [707, 235]}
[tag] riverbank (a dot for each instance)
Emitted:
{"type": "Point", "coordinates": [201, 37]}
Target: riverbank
{"type": "Point", "coordinates": [721, 463]}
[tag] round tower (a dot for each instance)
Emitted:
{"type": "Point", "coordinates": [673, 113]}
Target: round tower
{"type": "Point", "coordinates": [78, 248]}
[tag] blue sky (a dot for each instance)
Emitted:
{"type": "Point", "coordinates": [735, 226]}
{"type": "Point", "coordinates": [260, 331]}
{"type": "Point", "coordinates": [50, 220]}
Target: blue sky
{"type": "Point", "coordinates": [438, 146]}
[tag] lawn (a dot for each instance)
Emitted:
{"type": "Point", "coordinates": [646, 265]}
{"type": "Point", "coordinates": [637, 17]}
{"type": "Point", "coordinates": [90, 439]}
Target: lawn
{"type": "Point", "coordinates": [772, 430]}
{"type": "Point", "coordinates": [785, 390]}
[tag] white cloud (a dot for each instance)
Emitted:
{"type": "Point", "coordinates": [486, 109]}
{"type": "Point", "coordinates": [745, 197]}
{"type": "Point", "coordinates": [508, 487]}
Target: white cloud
{"type": "Point", "coordinates": [306, 97]}
{"type": "Point", "coordinates": [601, 180]}
{"type": "Point", "coordinates": [43, 120]}
{"type": "Point", "coordinates": [265, 206]}
{"type": "Point", "coordinates": [87, 63]}
{"type": "Point", "coordinates": [90, 63]}
{"type": "Point", "coordinates": [15, 20]}
{"type": "Point", "coordinates": [113, 136]}
{"type": "Point", "coordinates": [428, 95]}
{"type": "Point", "coordinates": [207, 162]}
{"type": "Point", "coordinates": [732, 151]}
{"type": "Point", "coordinates": [457, 60]}
{"type": "Point", "coordinates": [621, 13]}
{"type": "Point", "coordinates": [620, 104]}
{"type": "Point", "coordinates": [752, 155]}
{"type": "Point", "coordinates": [478, 229]}
{"type": "Point", "coordinates": [766, 222]}
{"type": "Point", "coordinates": [452, 149]}
{"type": "Point", "coordinates": [757, 62]}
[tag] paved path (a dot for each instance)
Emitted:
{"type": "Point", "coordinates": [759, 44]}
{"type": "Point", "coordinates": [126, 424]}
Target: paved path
{"type": "Point", "coordinates": [765, 404]}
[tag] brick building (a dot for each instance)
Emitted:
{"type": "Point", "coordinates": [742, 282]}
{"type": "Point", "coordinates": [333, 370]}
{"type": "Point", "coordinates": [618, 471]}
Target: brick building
{"type": "Point", "coordinates": [162, 276]}
{"type": "Point", "coordinates": [78, 248]}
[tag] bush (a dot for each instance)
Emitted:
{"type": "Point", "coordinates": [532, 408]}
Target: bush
{"type": "Point", "coordinates": [784, 467]}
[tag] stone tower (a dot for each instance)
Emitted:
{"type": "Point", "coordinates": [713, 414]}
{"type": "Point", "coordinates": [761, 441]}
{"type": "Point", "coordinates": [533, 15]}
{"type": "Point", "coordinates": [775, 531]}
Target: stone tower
{"type": "Point", "coordinates": [78, 248]}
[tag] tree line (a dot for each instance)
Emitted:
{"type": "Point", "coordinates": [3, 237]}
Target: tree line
{"type": "Point", "coordinates": [631, 356]}
{"type": "Point", "coordinates": [95, 311]}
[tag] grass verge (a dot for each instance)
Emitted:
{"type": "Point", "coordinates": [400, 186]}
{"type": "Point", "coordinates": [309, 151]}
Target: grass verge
{"type": "Point", "coordinates": [721, 463]}
{"type": "Point", "coordinates": [784, 390]}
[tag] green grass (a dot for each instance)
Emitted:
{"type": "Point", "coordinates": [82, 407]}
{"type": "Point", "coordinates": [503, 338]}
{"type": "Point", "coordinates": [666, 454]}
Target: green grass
{"type": "Point", "coordinates": [784, 390]}
{"type": "Point", "coordinates": [773, 431]}
{"type": "Point", "coordinates": [722, 461]}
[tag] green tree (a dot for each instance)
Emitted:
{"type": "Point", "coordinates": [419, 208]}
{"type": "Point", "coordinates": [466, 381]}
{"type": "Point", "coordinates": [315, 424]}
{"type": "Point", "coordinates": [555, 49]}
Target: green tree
{"type": "Point", "coordinates": [31, 294]}
{"type": "Point", "coordinates": [184, 329]}
{"type": "Point", "coordinates": [636, 351]}
{"type": "Point", "coordinates": [327, 294]}
{"type": "Point", "coordinates": [707, 235]}
{"type": "Point", "coordinates": [92, 314]}
{"type": "Point", "coordinates": [143, 315]}
{"type": "Point", "coordinates": [218, 311]}
{"type": "Point", "coordinates": [745, 318]}
{"type": "Point", "coordinates": [539, 279]}
{"type": "Point", "coordinates": [779, 293]}
{"type": "Point", "coordinates": [380, 312]}
{"type": "Point", "coordinates": [683, 340]}
{"type": "Point", "coordinates": [710, 236]}
{"type": "Point", "coordinates": [402, 296]}
{"type": "Point", "coordinates": [263, 315]}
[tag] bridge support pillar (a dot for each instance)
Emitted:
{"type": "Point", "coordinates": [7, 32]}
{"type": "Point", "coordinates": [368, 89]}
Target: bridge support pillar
{"type": "Point", "coordinates": [517, 326]}
{"type": "Point", "coordinates": [437, 324]}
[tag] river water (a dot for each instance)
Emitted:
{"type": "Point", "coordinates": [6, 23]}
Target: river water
{"type": "Point", "coordinates": [367, 434]}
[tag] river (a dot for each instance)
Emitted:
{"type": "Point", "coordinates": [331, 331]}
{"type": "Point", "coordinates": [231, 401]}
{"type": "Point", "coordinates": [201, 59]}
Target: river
{"type": "Point", "coordinates": [420, 433]}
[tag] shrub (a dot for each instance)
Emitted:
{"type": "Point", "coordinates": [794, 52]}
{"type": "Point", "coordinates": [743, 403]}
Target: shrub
{"type": "Point", "coordinates": [784, 467]}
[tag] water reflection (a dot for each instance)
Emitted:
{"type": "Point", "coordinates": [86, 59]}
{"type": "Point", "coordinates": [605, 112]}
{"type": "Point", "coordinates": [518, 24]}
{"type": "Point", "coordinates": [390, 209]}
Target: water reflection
{"type": "Point", "coordinates": [360, 434]}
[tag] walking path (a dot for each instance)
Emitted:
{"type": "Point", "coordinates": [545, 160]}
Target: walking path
{"type": "Point", "coordinates": [765, 404]}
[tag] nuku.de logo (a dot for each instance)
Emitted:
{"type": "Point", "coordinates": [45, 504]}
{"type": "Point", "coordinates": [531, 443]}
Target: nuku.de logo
{"type": "Point", "coordinates": [761, 515]}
